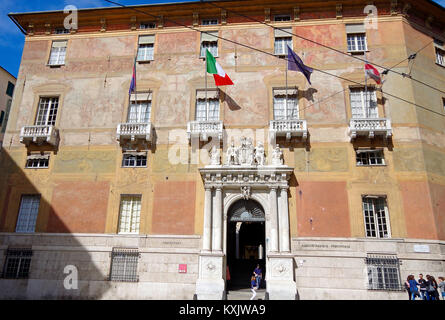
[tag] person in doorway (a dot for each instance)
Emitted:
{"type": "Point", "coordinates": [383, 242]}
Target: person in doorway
{"type": "Point", "coordinates": [413, 287]}
{"type": "Point", "coordinates": [258, 275]}
{"type": "Point", "coordinates": [253, 286]}
{"type": "Point", "coordinates": [423, 284]}
{"type": "Point", "coordinates": [441, 286]}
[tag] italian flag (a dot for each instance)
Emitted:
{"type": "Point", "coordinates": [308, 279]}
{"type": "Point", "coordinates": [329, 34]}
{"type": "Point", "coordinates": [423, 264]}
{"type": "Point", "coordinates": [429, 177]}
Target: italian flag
{"type": "Point", "coordinates": [213, 67]}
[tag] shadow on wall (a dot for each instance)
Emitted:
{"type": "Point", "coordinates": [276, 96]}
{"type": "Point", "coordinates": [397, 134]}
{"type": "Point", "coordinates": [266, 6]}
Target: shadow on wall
{"type": "Point", "coordinates": [53, 256]}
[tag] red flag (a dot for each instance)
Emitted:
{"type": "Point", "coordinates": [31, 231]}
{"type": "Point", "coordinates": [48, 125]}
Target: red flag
{"type": "Point", "coordinates": [373, 73]}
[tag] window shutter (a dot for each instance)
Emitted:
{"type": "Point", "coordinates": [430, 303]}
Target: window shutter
{"type": "Point", "coordinates": [280, 33]}
{"type": "Point", "coordinates": [147, 39]}
{"type": "Point", "coordinates": [143, 96]}
{"type": "Point", "coordinates": [59, 44]}
{"type": "Point", "coordinates": [209, 36]}
{"type": "Point", "coordinates": [355, 28]}
{"type": "Point", "coordinates": [211, 94]}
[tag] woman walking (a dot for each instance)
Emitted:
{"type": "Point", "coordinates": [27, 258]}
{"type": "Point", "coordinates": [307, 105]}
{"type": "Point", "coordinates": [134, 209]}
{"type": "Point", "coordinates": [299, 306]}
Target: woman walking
{"type": "Point", "coordinates": [432, 288]}
{"type": "Point", "coordinates": [442, 286]}
{"type": "Point", "coordinates": [253, 286]}
{"type": "Point", "coordinates": [413, 287]}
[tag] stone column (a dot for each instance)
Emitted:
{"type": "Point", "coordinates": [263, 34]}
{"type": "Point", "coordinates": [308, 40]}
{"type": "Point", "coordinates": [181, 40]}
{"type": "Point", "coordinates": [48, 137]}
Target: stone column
{"type": "Point", "coordinates": [207, 237]}
{"type": "Point", "coordinates": [284, 221]}
{"type": "Point", "coordinates": [273, 220]}
{"type": "Point", "coordinates": [217, 221]}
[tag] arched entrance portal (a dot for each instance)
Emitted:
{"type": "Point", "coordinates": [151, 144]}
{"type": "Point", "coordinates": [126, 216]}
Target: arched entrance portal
{"type": "Point", "coordinates": [245, 242]}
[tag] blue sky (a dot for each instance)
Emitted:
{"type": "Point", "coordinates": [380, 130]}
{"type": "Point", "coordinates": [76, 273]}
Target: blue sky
{"type": "Point", "coordinates": [11, 39]}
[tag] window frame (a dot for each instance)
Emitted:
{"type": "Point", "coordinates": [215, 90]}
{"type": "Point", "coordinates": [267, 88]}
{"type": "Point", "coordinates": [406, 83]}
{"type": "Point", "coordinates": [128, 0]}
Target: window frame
{"type": "Point", "coordinates": [131, 214]}
{"type": "Point", "coordinates": [6, 116]}
{"type": "Point", "coordinates": [356, 43]}
{"type": "Point", "coordinates": [375, 218]}
{"type": "Point", "coordinates": [10, 89]}
{"type": "Point", "coordinates": [29, 216]}
{"type": "Point", "coordinates": [440, 57]}
{"type": "Point", "coordinates": [47, 113]}
{"type": "Point", "coordinates": [210, 24]}
{"type": "Point", "coordinates": [376, 265]}
{"type": "Point", "coordinates": [283, 46]}
{"type": "Point", "coordinates": [133, 154]}
{"type": "Point", "coordinates": [140, 104]}
{"type": "Point", "coordinates": [213, 97]}
{"type": "Point", "coordinates": [369, 151]}
{"type": "Point", "coordinates": [145, 24]}
{"type": "Point", "coordinates": [293, 92]}
{"type": "Point", "coordinates": [57, 63]}
{"type": "Point", "coordinates": [280, 16]}
{"type": "Point", "coordinates": [39, 160]}
{"type": "Point", "coordinates": [364, 106]}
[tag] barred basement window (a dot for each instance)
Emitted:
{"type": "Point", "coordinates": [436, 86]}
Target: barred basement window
{"type": "Point", "coordinates": [376, 217]}
{"type": "Point", "coordinates": [370, 158]}
{"type": "Point", "coordinates": [124, 265]}
{"type": "Point", "coordinates": [134, 159]}
{"type": "Point", "coordinates": [17, 263]}
{"type": "Point", "coordinates": [383, 273]}
{"type": "Point", "coordinates": [36, 161]}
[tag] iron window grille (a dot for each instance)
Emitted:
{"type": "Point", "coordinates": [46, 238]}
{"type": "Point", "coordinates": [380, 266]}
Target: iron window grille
{"type": "Point", "coordinates": [124, 265]}
{"type": "Point", "coordinates": [376, 215]}
{"type": "Point", "coordinates": [131, 160]}
{"type": "Point", "coordinates": [370, 158]}
{"type": "Point", "coordinates": [17, 263]}
{"type": "Point", "coordinates": [383, 273]}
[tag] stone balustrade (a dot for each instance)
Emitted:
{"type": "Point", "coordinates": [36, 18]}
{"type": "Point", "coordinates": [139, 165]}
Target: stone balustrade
{"type": "Point", "coordinates": [288, 128]}
{"type": "Point", "coordinates": [133, 131]}
{"type": "Point", "coordinates": [39, 134]}
{"type": "Point", "coordinates": [204, 129]}
{"type": "Point", "coordinates": [370, 128]}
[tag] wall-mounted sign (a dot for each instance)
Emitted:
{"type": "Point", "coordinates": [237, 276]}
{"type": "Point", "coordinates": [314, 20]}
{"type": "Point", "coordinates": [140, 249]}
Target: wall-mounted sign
{"type": "Point", "coordinates": [424, 248]}
{"type": "Point", "coordinates": [182, 268]}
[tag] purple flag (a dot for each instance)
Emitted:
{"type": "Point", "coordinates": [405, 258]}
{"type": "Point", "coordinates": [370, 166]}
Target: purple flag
{"type": "Point", "coordinates": [294, 63]}
{"type": "Point", "coordinates": [133, 79]}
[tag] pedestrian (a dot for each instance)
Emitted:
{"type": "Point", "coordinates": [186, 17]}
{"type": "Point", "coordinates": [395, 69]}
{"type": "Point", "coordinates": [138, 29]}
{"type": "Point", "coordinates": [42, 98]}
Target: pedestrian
{"type": "Point", "coordinates": [253, 286]}
{"type": "Point", "coordinates": [441, 286]}
{"type": "Point", "coordinates": [407, 288]}
{"type": "Point", "coordinates": [423, 291]}
{"type": "Point", "coordinates": [432, 288]}
{"type": "Point", "coordinates": [413, 287]}
{"type": "Point", "coordinates": [258, 275]}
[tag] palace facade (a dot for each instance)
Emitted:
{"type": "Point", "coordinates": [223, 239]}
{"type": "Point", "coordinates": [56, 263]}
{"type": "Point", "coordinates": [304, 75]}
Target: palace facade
{"type": "Point", "coordinates": [336, 189]}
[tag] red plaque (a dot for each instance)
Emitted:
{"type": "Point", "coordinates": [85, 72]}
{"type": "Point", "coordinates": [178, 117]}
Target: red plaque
{"type": "Point", "coordinates": [182, 268]}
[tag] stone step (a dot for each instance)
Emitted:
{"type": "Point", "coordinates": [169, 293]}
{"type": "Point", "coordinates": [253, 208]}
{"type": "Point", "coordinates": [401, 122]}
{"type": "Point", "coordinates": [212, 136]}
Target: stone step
{"type": "Point", "coordinates": [245, 294]}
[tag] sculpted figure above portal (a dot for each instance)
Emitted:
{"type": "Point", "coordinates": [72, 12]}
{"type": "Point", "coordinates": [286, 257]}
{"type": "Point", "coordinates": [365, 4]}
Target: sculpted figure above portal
{"type": "Point", "coordinates": [248, 155]}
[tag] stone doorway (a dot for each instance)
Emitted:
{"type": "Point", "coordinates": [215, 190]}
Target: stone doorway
{"type": "Point", "coordinates": [245, 242]}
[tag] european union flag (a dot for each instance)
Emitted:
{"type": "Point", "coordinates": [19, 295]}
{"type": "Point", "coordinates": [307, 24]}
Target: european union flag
{"type": "Point", "coordinates": [296, 64]}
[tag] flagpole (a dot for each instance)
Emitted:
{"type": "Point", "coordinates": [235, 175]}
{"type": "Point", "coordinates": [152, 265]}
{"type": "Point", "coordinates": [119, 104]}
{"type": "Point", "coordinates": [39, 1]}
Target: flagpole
{"type": "Point", "coordinates": [205, 77]}
{"type": "Point", "coordinates": [366, 88]}
{"type": "Point", "coordinates": [285, 105]}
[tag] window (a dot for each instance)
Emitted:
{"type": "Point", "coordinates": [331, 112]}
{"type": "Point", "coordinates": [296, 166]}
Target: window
{"type": "Point", "coordinates": [370, 158]}
{"type": "Point", "coordinates": [17, 263]}
{"type": "Point", "coordinates": [130, 214]}
{"type": "Point", "coordinates": [376, 216]}
{"type": "Point", "coordinates": [124, 265]}
{"type": "Point", "coordinates": [285, 109]}
{"type": "Point", "coordinates": [6, 116]}
{"type": "Point", "coordinates": [61, 31]}
{"type": "Point", "coordinates": [29, 209]}
{"type": "Point", "coordinates": [36, 161]}
{"type": "Point", "coordinates": [147, 25]}
{"type": "Point", "coordinates": [443, 104]}
{"type": "Point", "coordinates": [2, 116]}
{"type": "Point", "coordinates": [383, 273]}
{"type": "Point", "coordinates": [134, 159]}
{"type": "Point", "coordinates": [146, 48]}
{"type": "Point", "coordinates": [282, 17]}
{"type": "Point", "coordinates": [440, 52]}
{"type": "Point", "coordinates": [209, 41]}
{"type": "Point", "coordinates": [208, 22]}
{"type": "Point", "coordinates": [10, 89]}
{"type": "Point", "coordinates": [140, 108]}
{"type": "Point", "coordinates": [283, 38]}
{"type": "Point", "coordinates": [58, 52]}
{"type": "Point", "coordinates": [356, 36]}
{"type": "Point", "coordinates": [363, 105]}
{"type": "Point", "coordinates": [47, 111]}
{"type": "Point", "coordinates": [207, 110]}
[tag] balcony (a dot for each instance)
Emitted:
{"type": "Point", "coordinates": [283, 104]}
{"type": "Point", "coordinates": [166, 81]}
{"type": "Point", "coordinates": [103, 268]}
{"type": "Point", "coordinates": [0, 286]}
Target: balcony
{"type": "Point", "coordinates": [370, 128]}
{"type": "Point", "coordinates": [288, 129]}
{"type": "Point", "coordinates": [39, 135]}
{"type": "Point", "coordinates": [204, 129]}
{"type": "Point", "coordinates": [134, 131]}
